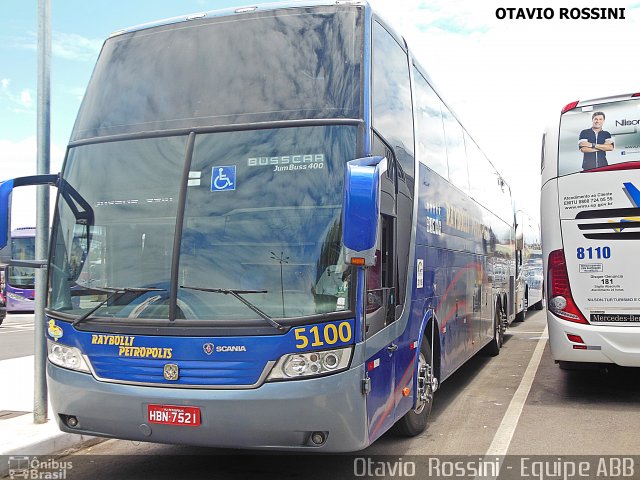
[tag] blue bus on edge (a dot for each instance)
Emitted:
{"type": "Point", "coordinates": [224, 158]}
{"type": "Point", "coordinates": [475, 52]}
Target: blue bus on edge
{"type": "Point", "coordinates": [271, 232]}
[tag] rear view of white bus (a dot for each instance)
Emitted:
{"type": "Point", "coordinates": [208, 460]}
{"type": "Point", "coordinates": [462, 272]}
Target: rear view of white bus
{"type": "Point", "coordinates": [590, 214]}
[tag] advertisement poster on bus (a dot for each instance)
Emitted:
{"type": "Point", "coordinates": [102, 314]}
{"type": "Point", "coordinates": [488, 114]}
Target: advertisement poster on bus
{"type": "Point", "coordinates": [598, 137]}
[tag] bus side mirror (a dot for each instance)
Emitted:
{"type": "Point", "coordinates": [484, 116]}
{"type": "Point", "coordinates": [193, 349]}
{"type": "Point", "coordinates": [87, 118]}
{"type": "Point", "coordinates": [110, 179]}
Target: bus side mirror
{"type": "Point", "coordinates": [361, 209]}
{"type": "Point", "coordinates": [6, 188]}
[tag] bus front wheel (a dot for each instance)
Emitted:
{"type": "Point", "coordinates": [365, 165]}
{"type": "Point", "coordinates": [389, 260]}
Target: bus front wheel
{"type": "Point", "coordinates": [414, 422]}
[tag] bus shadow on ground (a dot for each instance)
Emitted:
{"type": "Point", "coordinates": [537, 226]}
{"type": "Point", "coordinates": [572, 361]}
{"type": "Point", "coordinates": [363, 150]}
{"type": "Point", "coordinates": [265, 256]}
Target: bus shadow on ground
{"type": "Point", "coordinates": [586, 384]}
{"type": "Point", "coordinates": [593, 384]}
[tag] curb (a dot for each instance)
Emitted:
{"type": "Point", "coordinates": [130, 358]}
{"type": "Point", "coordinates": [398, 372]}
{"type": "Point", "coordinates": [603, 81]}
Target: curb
{"type": "Point", "coordinates": [21, 437]}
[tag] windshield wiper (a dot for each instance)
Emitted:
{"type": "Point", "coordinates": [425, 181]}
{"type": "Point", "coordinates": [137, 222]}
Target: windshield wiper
{"type": "Point", "coordinates": [237, 294]}
{"type": "Point", "coordinates": [115, 292]}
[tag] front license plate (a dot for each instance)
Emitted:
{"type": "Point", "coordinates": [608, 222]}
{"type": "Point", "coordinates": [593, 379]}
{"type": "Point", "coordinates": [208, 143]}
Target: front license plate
{"type": "Point", "coordinates": [174, 415]}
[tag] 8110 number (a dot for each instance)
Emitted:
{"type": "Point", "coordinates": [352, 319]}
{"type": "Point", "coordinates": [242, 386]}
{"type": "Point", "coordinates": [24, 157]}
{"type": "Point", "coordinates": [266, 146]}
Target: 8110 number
{"type": "Point", "coordinates": [590, 253]}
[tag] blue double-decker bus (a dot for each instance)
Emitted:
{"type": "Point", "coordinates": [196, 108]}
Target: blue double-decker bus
{"type": "Point", "coordinates": [271, 232]}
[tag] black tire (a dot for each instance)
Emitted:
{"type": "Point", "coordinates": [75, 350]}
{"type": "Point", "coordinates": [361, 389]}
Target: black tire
{"type": "Point", "coordinates": [415, 421]}
{"type": "Point", "coordinates": [537, 305]}
{"type": "Point", "coordinates": [494, 346]}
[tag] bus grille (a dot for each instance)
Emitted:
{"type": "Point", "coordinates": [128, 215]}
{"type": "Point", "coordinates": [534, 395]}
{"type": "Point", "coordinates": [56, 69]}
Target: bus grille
{"type": "Point", "coordinates": [192, 373]}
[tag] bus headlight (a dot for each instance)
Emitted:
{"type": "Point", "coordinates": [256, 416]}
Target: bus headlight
{"type": "Point", "coordinates": [311, 364]}
{"type": "Point", "coordinates": [66, 357]}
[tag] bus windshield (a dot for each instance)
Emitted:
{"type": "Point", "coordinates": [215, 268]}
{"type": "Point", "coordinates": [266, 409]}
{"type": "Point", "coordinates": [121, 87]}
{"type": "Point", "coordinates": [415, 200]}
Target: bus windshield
{"type": "Point", "coordinates": [261, 215]}
{"type": "Point", "coordinates": [288, 64]}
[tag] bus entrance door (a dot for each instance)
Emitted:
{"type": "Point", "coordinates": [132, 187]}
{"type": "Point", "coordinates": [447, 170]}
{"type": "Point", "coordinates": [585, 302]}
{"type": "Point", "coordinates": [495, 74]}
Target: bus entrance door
{"type": "Point", "coordinates": [380, 313]}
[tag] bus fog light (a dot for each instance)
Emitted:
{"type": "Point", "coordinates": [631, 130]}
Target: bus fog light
{"type": "Point", "coordinates": [72, 422]}
{"type": "Point", "coordinates": [300, 365]}
{"type": "Point", "coordinates": [318, 438]}
{"type": "Point", "coordinates": [66, 357]}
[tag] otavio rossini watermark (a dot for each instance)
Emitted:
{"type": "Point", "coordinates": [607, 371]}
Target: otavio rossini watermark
{"type": "Point", "coordinates": [368, 467]}
{"type": "Point", "coordinates": [562, 13]}
{"type": "Point", "coordinates": [497, 467]}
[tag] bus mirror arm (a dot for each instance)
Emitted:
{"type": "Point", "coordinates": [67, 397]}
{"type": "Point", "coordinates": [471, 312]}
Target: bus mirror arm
{"type": "Point", "coordinates": [6, 188]}
{"type": "Point", "coordinates": [361, 208]}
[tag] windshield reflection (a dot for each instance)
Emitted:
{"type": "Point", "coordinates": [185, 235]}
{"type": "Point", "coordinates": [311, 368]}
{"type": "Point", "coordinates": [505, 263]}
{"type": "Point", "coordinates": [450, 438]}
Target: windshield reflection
{"type": "Point", "coordinates": [270, 225]}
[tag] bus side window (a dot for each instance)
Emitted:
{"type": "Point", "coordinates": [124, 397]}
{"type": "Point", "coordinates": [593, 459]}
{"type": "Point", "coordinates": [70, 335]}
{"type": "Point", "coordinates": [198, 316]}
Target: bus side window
{"type": "Point", "coordinates": [393, 121]}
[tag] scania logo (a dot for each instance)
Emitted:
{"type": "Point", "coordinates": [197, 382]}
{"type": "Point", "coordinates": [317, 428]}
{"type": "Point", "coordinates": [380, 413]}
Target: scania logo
{"type": "Point", "coordinates": [208, 348]}
{"type": "Point", "coordinates": [171, 372]}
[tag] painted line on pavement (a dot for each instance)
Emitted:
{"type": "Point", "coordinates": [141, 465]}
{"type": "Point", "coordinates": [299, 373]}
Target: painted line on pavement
{"type": "Point", "coordinates": [502, 439]}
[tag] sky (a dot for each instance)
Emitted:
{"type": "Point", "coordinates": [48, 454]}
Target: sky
{"type": "Point", "coordinates": [506, 79]}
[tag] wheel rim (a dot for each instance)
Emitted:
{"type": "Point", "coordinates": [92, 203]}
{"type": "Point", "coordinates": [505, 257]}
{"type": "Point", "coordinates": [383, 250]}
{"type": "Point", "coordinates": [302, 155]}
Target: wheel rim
{"type": "Point", "coordinates": [425, 390]}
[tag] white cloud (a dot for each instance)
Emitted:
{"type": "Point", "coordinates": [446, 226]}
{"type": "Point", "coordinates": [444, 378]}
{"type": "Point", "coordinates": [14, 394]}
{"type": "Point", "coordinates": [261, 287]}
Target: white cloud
{"type": "Point", "coordinates": [71, 46]}
{"type": "Point", "coordinates": [20, 159]}
{"type": "Point", "coordinates": [25, 98]}
{"type": "Point", "coordinates": [18, 103]}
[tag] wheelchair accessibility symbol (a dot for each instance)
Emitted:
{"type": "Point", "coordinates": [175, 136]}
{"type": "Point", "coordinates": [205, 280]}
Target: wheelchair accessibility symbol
{"type": "Point", "coordinates": [223, 178]}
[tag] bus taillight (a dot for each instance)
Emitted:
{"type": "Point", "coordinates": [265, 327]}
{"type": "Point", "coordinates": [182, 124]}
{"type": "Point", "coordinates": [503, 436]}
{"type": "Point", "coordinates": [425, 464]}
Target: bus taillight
{"type": "Point", "coordinates": [560, 300]}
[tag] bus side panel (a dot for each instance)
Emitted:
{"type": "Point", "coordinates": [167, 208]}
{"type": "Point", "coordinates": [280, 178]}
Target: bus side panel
{"type": "Point", "coordinates": [457, 283]}
{"type": "Point", "coordinates": [409, 341]}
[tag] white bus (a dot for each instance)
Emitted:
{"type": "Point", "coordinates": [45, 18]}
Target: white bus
{"type": "Point", "coordinates": [529, 258]}
{"type": "Point", "coordinates": [590, 211]}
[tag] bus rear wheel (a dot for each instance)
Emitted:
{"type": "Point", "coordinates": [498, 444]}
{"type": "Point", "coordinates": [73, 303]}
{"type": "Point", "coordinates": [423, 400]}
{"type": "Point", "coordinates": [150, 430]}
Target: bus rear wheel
{"type": "Point", "coordinates": [493, 348]}
{"type": "Point", "coordinates": [415, 421]}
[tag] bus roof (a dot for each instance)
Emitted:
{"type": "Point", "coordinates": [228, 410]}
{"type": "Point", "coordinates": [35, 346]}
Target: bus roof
{"type": "Point", "coordinates": [599, 100]}
{"type": "Point", "coordinates": [235, 11]}
{"type": "Point", "coordinates": [23, 232]}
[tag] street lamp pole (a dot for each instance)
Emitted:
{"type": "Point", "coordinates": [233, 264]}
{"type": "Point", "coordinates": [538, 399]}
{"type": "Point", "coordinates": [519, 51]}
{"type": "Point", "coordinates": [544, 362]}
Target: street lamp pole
{"type": "Point", "coordinates": [40, 395]}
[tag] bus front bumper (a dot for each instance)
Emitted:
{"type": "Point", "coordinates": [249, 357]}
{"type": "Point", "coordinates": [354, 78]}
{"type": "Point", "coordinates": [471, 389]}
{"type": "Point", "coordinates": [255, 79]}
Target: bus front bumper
{"type": "Point", "coordinates": [602, 344]}
{"type": "Point", "coordinates": [276, 416]}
